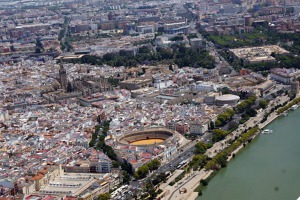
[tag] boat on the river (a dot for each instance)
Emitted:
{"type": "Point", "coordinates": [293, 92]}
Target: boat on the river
{"type": "Point", "coordinates": [267, 131]}
{"type": "Point", "coordinates": [294, 107]}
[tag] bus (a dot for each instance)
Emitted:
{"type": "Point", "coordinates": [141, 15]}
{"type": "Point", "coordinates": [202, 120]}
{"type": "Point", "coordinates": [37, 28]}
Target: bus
{"type": "Point", "coordinates": [182, 163]}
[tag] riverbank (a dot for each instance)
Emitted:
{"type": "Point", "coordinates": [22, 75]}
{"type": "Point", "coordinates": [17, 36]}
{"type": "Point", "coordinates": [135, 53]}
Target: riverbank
{"type": "Point", "coordinates": [274, 115]}
{"type": "Point", "coordinates": [289, 105]}
{"type": "Point", "coordinates": [191, 181]}
{"type": "Point", "coordinates": [270, 119]}
{"type": "Point", "coordinates": [265, 169]}
{"type": "Point", "coordinates": [190, 184]}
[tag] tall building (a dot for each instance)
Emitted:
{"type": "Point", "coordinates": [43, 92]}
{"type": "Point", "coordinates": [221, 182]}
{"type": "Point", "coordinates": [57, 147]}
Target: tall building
{"type": "Point", "coordinates": [295, 87]}
{"type": "Point", "coordinates": [63, 77]}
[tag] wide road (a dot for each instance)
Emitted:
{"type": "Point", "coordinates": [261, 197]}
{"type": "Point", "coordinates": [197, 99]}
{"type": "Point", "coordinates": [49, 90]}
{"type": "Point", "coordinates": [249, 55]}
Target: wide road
{"type": "Point", "coordinates": [63, 39]}
{"type": "Point", "coordinates": [213, 51]}
{"type": "Point", "coordinates": [184, 153]}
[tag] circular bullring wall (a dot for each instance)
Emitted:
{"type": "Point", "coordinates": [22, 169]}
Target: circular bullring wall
{"type": "Point", "coordinates": [227, 99]}
{"type": "Point", "coordinates": [147, 137]}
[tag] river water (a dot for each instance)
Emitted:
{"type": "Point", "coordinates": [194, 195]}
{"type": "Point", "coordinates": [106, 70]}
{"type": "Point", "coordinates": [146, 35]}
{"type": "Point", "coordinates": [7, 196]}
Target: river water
{"type": "Point", "coordinates": [266, 169]}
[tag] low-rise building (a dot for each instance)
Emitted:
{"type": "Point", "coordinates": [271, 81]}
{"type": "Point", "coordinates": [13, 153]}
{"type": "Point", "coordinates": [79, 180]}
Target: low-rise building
{"type": "Point", "coordinates": [285, 76]}
{"type": "Point", "coordinates": [94, 162]}
{"type": "Point", "coordinates": [182, 128]}
{"type": "Point", "coordinates": [258, 54]}
{"type": "Point", "coordinates": [266, 87]}
{"type": "Point", "coordinates": [134, 84]}
{"type": "Point", "coordinates": [199, 127]}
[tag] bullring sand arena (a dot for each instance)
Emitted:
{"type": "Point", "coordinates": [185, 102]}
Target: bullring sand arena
{"type": "Point", "coordinates": [147, 141]}
{"type": "Point", "coordinates": [147, 137]}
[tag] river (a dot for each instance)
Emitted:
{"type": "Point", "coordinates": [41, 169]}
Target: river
{"type": "Point", "coordinates": [266, 169]}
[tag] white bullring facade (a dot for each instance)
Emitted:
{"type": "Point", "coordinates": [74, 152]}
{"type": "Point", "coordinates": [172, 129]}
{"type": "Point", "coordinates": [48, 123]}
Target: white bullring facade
{"type": "Point", "coordinates": [229, 99]}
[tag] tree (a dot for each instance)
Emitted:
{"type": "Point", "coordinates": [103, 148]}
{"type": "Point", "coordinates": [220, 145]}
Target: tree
{"type": "Point", "coordinates": [211, 125]}
{"type": "Point", "coordinates": [161, 177]}
{"type": "Point", "coordinates": [105, 196]}
{"type": "Point", "coordinates": [126, 166]}
{"type": "Point", "coordinates": [200, 148]}
{"type": "Point", "coordinates": [150, 189]}
{"type": "Point", "coordinates": [204, 182]}
{"type": "Point", "coordinates": [223, 117]}
{"type": "Point", "coordinates": [222, 159]}
{"type": "Point", "coordinates": [251, 112]}
{"type": "Point", "coordinates": [144, 49]}
{"type": "Point", "coordinates": [230, 111]}
{"type": "Point", "coordinates": [155, 163]}
{"type": "Point", "coordinates": [218, 123]}
{"type": "Point", "coordinates": [150, 166]}
{"type": "Point", "coordinates": [198, 161]}
{"type": "Point", "coordinates": [115, 164]}
{"type": "Point", "coordinates": [97, 128]}
{"type": "Point", "coordinates": [246, 104]}
{"type": "Point", "coordinates": [263, 104]}
{"type": "Point", "coordinates": [126, 177]}
{"type": "Point", "coordinates": [218, 135]}
{"type": "Point", "coordinates": [142, 172]}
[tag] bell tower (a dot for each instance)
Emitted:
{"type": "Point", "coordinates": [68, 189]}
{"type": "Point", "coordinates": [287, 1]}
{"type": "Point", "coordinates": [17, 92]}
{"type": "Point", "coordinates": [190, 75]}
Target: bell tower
{"type": "Point", "coordinates": [62, 77]}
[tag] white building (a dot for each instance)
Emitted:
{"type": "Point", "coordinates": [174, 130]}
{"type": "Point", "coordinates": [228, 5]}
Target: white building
{"type": "Point", "coordinates": [163, 84]}
{"type": "Point", "coordinates": [199, 127]}
{"type": "Point", "coordinates": [146, 29]}
{"type": "Point", "coordinates": [283, 75]}
{"type": "Point", "coordinates": [201, 86]}
{"type": "Point", "coordinates": [205, 87]}
{"type": "Point", "coordinates": [169, 151]}
{"type": "Point", "coordinates": [94, 27]}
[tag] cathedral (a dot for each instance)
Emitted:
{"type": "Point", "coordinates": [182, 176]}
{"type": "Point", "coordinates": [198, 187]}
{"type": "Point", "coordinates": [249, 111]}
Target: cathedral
{"type": "Point", "coordinates": [83, 85]}
{"type": "Point", "coordinates": [87, 84]}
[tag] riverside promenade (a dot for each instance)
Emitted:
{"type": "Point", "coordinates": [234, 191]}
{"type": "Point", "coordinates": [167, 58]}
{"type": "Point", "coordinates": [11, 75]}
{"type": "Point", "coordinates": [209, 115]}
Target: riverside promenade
{"type": "Point", "coordinates": [275, 153]}
{"type": "Point", "coordinates": [191, 181]}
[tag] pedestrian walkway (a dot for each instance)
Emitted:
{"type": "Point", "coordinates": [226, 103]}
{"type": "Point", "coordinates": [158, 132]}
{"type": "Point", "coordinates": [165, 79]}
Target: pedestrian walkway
{"type": "Point", "coordinates": [190, 183]}
{"type": "Point", "coordinates": [176, 173]}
